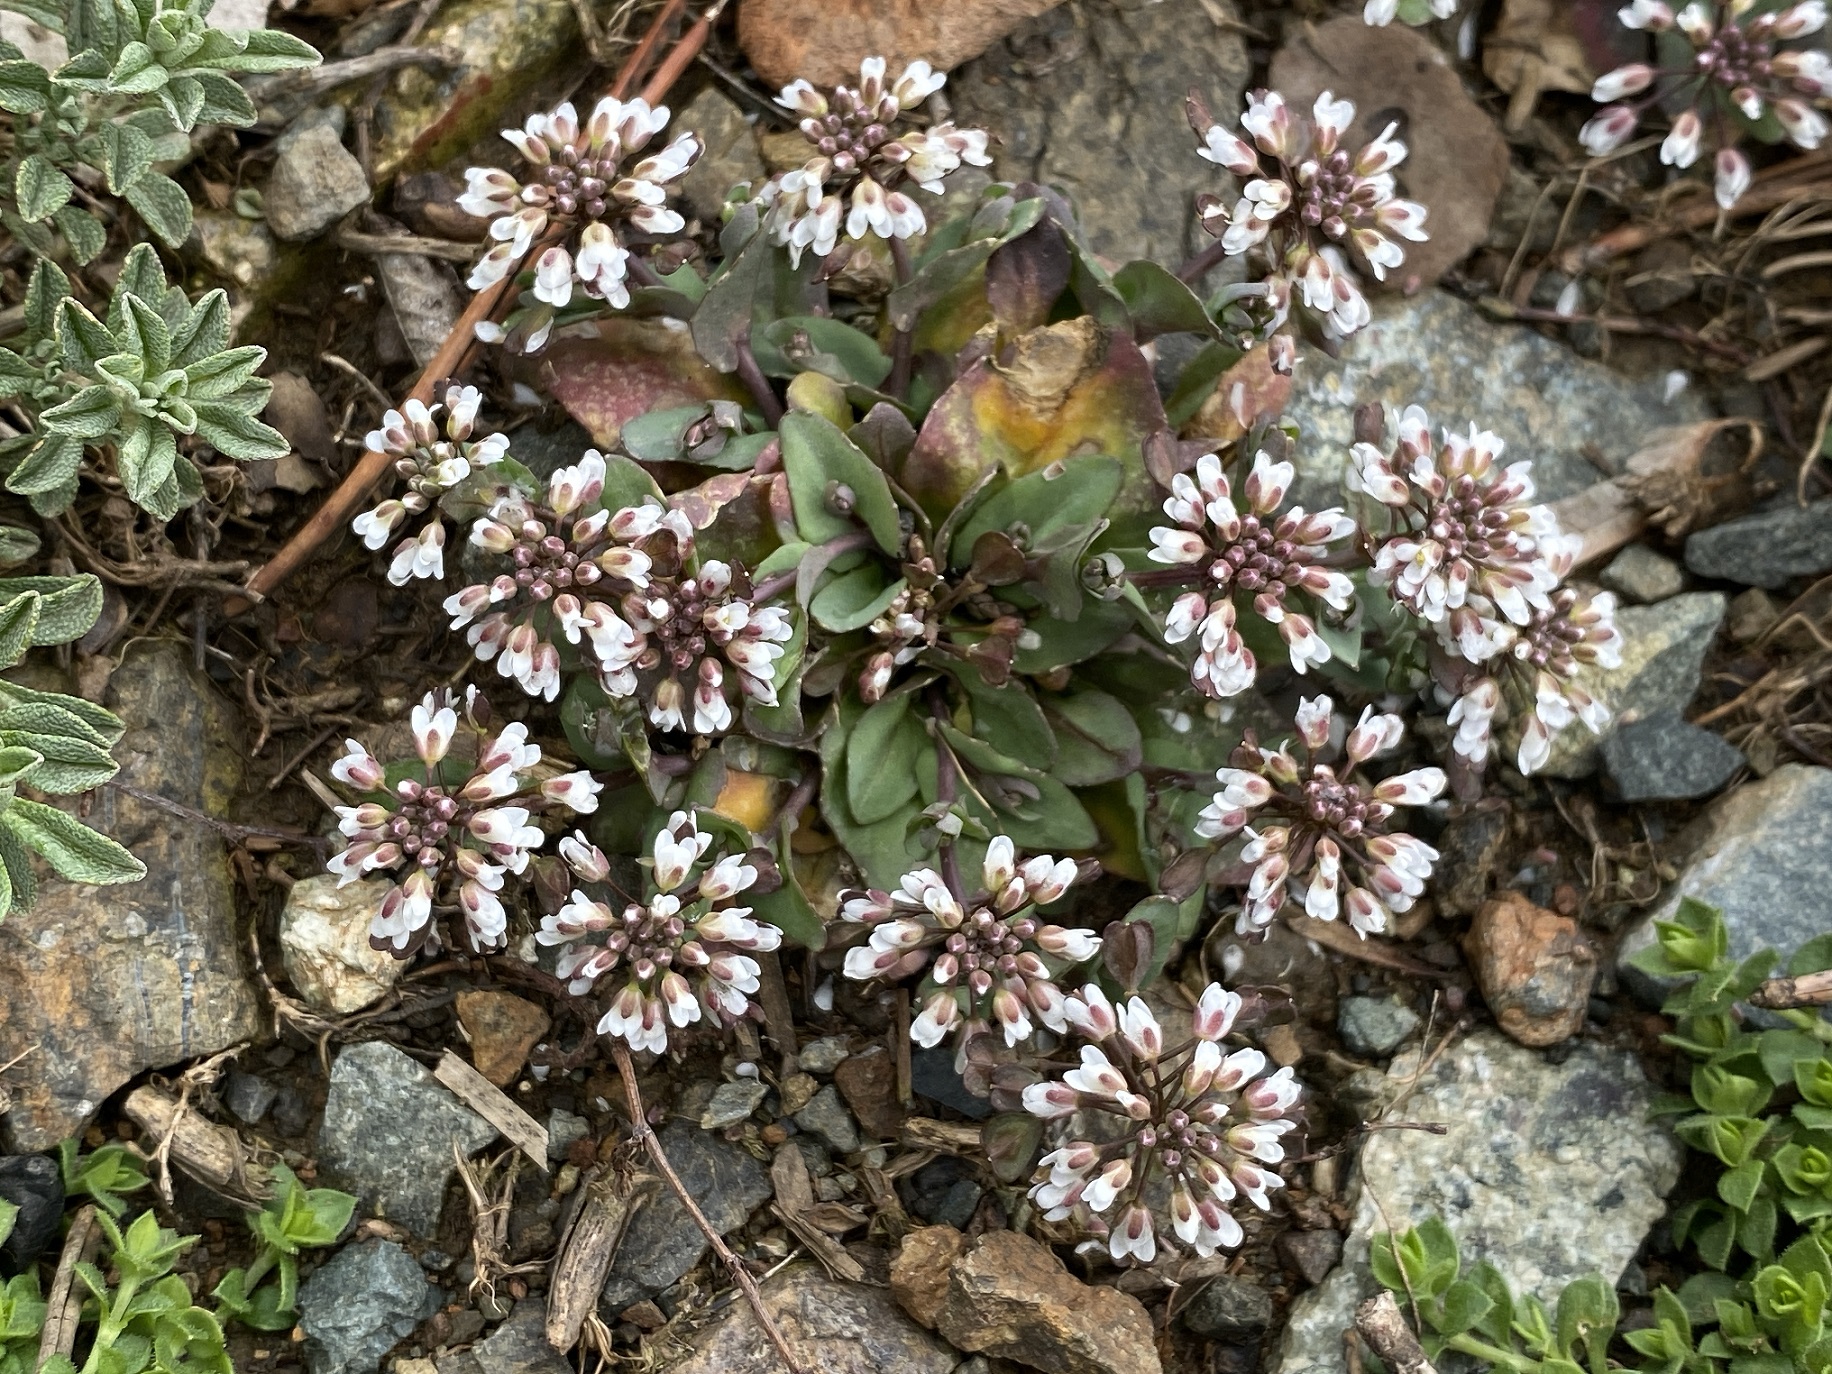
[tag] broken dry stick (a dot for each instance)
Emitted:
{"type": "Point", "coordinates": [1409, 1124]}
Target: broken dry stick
{"type": "Point", "coordinates": [64, 1307]}
{"type": "Point", "coordinates": [494, 1106]}
{"type": "Point", "coordinates": [1383, 1326]}
{"type": "Point", "coordinates": [213, 1155]}
{"type": "Point", "coordinates": [587, 1250]}
{"type": "Point", "coordinates": [1805, 990]}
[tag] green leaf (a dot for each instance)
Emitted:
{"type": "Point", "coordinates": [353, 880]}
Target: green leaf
{"type": "Point", "coordinates": [1587, 1313]}
{"type": "Point", "coordinates": [853, 600]}
{"type": "Point", "coordinates": [18, 619]}
{"type": "Point", "coordinates": [1465, 1305]}
{"type": "Point", "coordinates": [71, 848]}
{"type": "Point", "coordinates": [82, 231]}
{"type": "Point", "coordinates": [1009, 719]}
{"type": "Point", "coordinates": [788, 907]}
{"type": "Point", "coordinates": [1159, 302]}
{"type": "Point", "coordinates": [127, 155]}
{"type": "Point", "coordinates": [163, 205]}
{"type": "Point", "coordinates": [39, 188]}
{"type": "Point", "coordinates": [82, 338]}
{"type": "Point", "coordinates": [881, 757]}
{"type": "Point", "coordinates": [271, 50]}
{"type": "Point", "coordinates": [51, 465]}
{"type": "Point", "coordinates": [69, 605]}
{"type": "Point", "coordinates": [17, 545]}
{"type": "Point", "coordinates": [815, 453]}
{"type": "Point", "coordinates": [136, 71]}
{"type": "Point", "coordinates": [147, 335]}
{"type": "Point", "coordinates": [1097, 739]}
{"type": "Point", "coordinates": [25, 87]}
{"type": "Point", "coordinates": [222, 374]}
{"type": "Point", "coordinates": [237, 435]}
{"type": "Point", "coordinates": [817, 343]}
{"type": "Point", "coordinates": [203, 333]}
{"type": "Point", "coordinates": [47, 288]}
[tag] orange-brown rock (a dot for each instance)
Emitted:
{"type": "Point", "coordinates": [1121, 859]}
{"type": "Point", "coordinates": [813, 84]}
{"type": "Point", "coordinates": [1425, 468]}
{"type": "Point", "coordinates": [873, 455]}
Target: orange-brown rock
{"type": "Point", "coordinates": [1534, 966]}
{"type": "Point", "coordinates": [1011, 1298]}
{"type": "Point", "coordinates": [825, 40]}
{"type": "Point", "coordinates": [503, 1028]}
{"type": "Point", "coordinates": [919, 1274]}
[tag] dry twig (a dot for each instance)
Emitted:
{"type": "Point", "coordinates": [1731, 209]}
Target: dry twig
{"type": "Point", "coordinates": [1383, 1326]}
{"type": "Point", "coordinates": [64, 1306]}
{"type": "Point", "coordinates": [1807, 990]}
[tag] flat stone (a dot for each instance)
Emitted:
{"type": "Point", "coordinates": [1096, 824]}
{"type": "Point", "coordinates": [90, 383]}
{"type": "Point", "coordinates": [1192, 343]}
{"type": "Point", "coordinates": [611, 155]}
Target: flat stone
{"type": "Point", "coordinates": [868, 1082]}
{"type": "Point", "coordinates": [919, 1273]}
{"type": "Point", "coordinates": [732, 1103]}
{"type": "Point", "coordinates": [248, 1096]}
{"type": "Point", "coordinates": [243, 250]}
{"type": "Point", "coordinates": [933, 1075]}
{"type": "Point", "coordinates": [1763, 856]}
{"type": "Point", "coordinates": [825, 1055]}
{"type": "Point", "coordinates": [103, 983]}
{"type": "Point", "coordinates": [503, 1029]}
{"type": "Point", "coordinates": [1663, 650]}
{"type": "Point", "coordinates": [563, 1128]}
{"type": "Point", "coordinates": [1434, 350]}
{"type": "Point", "coordinates": [1641, 575]}
{"type": "Point", "coordinates": [836, 1328]}
{"type": "Point", "coordinates": [662, 1242]}
{"type": "Point", "coordinates": [324, 944]}
{"type": "Point", "coordinates": [826, 1117]}
{"type": "Point", "coordinates": [359, 1306]}
{"type": "Point", "coordinates": [1535, 969]}
{"type": "Point", "coordinates": [1230, 1308]}
{"type": "Point", "coordinates": [1470, 850]}
{"type": "Point", "coordinates": [1765, 549]}
{"type": "Point", "coordinates": [1752, 612]}
{"type": "Point", "coordinates": [1663, 757]}
{"type": "Point", "coordinates": [1010, 1297]}
{"type": "Point", "coordinates": [35, 1185]}
{"type": "Point", "coordinates": [388, 1131]}
{"type": "Point", "coordinates": [505, 48]}
{"type": "Point", "coordinates": [1375, 1025]}
{"type": "Point", "coordinates": [731, 154]}
{"type": "Point", "coordinates": [519, 1345]}
{"type": "Point", "coordinates": [1549, 1171]}
{"type": "Point", "coordinates": [316, 181]}
{"type": "Point", "coordinates": [1311, 1254]}
{"type": "Point", "coordinates": [1089, 99]}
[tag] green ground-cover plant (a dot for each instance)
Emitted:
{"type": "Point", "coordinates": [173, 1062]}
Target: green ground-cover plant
{"type": "Point", "coordinates": [264, 1295]}
{"type": "Point", "coordinates": [1758, 1112]}
{"type": "Point", "coordinates": [140, 76]}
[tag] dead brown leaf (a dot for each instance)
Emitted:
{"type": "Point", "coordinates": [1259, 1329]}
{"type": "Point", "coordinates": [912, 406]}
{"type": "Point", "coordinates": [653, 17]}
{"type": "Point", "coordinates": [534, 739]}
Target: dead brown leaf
{"type": "Point", "coordinates": [1535, 48]}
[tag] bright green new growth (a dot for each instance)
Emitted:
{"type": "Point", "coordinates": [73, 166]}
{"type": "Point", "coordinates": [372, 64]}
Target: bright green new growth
{"type": "Point", "coordinates": [142, 74]}
{"type": "Point", "coordinates": [295, 1219]}
{"type": "Point", "coordinates": [157, 369]}
{"type": "Point", "coordinates": [102, 1176]}
{"type": "Point", "coordinates": [52, 743]}
{"type": "Point", "coordinates": [1761, 1106]}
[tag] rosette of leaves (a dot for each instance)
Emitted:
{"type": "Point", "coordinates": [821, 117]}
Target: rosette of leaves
{"type": "Point", "coordinates": [145, 1319]}
{"type": "Point", "coordinates": [102, 1175]}
{"type": "Point", "coordinates": [137, 389]}
{"type": "Point", "coordinates": [142, 74]}
{"type": "Point", "coordinates": [264, 1295]}
{"type": "Point", "coordinates": [51, 743]}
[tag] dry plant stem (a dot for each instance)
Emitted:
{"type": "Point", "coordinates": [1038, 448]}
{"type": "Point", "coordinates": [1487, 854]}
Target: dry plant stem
{"type": "Point", "coordinates": [1772, 188]}
{"type": "Point", "coordinates": [1808, 990]}
{"type": "Point", "coordinates": [639, 1128]}
{"type": "Point", "coordinates": [213, 1155]}
{"type": "Point", "coordinates": [450, 359]}
{"type": "Point", "coordinates": [904, 341]}
{"type": "Point", "coordinates": [587, 1251]}
{"type": "Point", "coordinates": [1383, 1326]}
{"type": "Point", "coordinates": [64, 1307]}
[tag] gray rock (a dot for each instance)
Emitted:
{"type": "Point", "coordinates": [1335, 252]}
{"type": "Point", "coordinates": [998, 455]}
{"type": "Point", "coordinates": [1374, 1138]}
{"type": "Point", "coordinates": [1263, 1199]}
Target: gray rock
{"type": "Point", "coordinates": [1435, 350]}
{"type": "Point", "coordinates": [388, 1131]}
{"type": "Point", "coordinates": [1090, 99]}
{"type": "Point", "coordinates": [1665, 758]}
{"type": "Point", "coordinates": [563, 1128]}
{"type": "Point", "coordinates": [1230, 1309]}
{"type": "Point", "coordinates": [243, 250]}
{"type": "Point", "coordinates": [35, 1185]}
{"type": "Point", "coordinates": [932, 1075]}
{"type": "Point", "coordinates": [1663, 649]}
{"type": "Point", "coordinates": [1311, 1253]}
{"type": "Point", "coordinates": [519, 1345]}
{"type": "Point", "coordinates": [362, 1304]}
{"type": "Point", "coordinates": [1375, 1025]}
{"type": "Point", "coordinates": [837, 1328]}
{"type": "Point", "coordinates": [316, 181]}
{"type": "Point", "coordinates": [826, 1117]}
{"type": "Point", "coordinates": [662, 1242]}
{"type": "Point", "coordinates": [1549, 1171]}
{"type": "Point", "coordinates": [826, 1054]}
{"type": "Point", "coordinates": [1762, 855]}
{"type": "Point", "coordinates": [731, 152]}
{"type": "Point", "coordinates": [249, 1097]}
{"type": "Point", "coordinates": [1765, 549]}
{"type": "Point", "coordinates": [1639, 574]}
{"type": "Point", "coordinates": [732, 1103]}
{"type": "Point", "coordinates": [103, 983]}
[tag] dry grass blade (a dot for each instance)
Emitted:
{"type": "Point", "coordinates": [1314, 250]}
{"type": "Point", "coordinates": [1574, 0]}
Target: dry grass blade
{"type": "Point", "coordinates": [494, 1106]}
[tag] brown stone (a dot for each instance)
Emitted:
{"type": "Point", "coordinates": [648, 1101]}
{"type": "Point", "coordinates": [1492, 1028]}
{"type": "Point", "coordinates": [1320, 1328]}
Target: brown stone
{"type": "Point", "coordinates": [503, 1028]}
{"type": "Point", "coordinates": [919, 1274]}
{"type": "Point", "coordinates": [1534, 966]}
{"type": "Point", "coordinates": [1457, 157]}
{"type": "Point", "coordinates": [868, 1082]}
{"type": "Point", "coordinates": [825, 40]}
{"type": "Point", "coordinates": [1011, 1298]}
